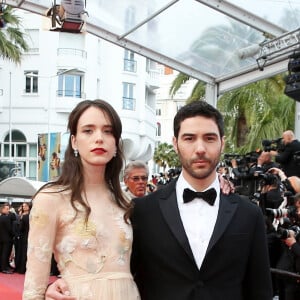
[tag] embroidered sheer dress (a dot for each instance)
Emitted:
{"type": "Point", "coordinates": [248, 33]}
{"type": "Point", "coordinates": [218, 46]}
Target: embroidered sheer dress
{"type": "Point", "coordinates": [93, 258]}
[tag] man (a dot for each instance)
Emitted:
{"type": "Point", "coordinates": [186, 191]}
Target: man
{"type": "Point", "coordinates": [265, 162]}
{"type": "Point", "coordinates": [6, 238]}
{"type": "Point", "coordinates": [286, 157]}
{"type": "Point", "coordinates": [135, 178]}
{"type": "Point", "coordinates": [290, 256]}
{"type": "Point", "coordinates": [196, 250]}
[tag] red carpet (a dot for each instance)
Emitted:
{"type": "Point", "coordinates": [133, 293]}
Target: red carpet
{"type": "Point", "coordinates": [11, 286]}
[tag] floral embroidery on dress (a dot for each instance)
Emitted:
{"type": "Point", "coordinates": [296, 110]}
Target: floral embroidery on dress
{"type": "Point", "coordinates": [85, 229]}
{"type": "Point", "coordinates": [41, 250]}
{"type": "Point", "coordinates": [39, 217]}
{"type": "Point", "coordinates": [93, 256]}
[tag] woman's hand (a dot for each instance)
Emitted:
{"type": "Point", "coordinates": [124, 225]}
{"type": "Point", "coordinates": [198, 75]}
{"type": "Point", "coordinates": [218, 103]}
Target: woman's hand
{"type": "Point", "coordinates": [58, 290]}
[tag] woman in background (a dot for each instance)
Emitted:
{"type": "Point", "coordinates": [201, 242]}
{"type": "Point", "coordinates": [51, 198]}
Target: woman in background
{"type": "Point", "coordinates": [23, 238]}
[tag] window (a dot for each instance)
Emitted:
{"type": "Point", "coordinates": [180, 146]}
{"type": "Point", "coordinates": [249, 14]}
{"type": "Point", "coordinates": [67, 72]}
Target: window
{"type": "Point", "coordinates": [129, 62]}
{"type": "Point", "coordinates": [32, 38]}
{"type": "Point", "coordinates": [31, 81]}
{"type": "Point", "coordinates": [128, 100]}
{"type": "Point", "coordinates": [17, 145]}
{"type": "Point", "coordinates": [158, 112]}
{"type": "Point", "coordinates": [158, 129]}
{"type": "Point", "coordinates": [33, 150]}
{"type": "Point", "coordinates": [69, 85]}
{"type": "Point", "coordinates": [20, 153]}
{"type": "Point", "coordinates": [32, 170]}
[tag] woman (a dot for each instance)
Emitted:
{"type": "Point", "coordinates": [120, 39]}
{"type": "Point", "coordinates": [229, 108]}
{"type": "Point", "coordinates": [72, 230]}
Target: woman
{"type": "Point", "coordinates": [23, 238]}
{"type": "Point", "coordinates": [83, 216]}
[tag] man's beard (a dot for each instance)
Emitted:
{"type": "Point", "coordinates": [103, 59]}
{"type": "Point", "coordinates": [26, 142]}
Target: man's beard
{"type": "Point", "coordinates": [199, 173]}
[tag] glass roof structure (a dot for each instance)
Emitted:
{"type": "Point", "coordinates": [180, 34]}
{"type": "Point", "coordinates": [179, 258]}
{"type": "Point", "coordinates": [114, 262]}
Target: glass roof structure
{"type": "Point", "coordinates": [226, 44]}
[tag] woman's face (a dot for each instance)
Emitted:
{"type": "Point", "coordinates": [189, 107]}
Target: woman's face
{"type": "Point", "coordinates": [25, 207]}
{"type": "Point", "coordinates": [94, 139]}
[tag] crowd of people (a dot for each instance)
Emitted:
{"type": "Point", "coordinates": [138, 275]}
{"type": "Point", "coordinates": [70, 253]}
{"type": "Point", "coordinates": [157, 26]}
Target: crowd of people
{"type": "Point", "coordinates": [14, 228]}
{"type": "Point", "coordinates": [271, 179]}
{"type": "Point", "coordinates": [212, 230]}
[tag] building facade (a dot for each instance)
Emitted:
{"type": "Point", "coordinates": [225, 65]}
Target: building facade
{"type": "Point", "coordinates": [167, 106]}
{"type": "Point", "coordinates": [60, 70]}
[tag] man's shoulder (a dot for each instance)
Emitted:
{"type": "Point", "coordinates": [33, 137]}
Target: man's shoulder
{"type": "Point", "coordinates": [243, 202]}
{"type": "Point", "coordinates": [295, 144]}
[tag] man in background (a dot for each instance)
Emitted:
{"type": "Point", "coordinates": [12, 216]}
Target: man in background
{"type": "Point", "coordinates": [136, 175]}
{"type": "Point", "coordinates": [290, 166]}
{"type": "Point", "coordinates": [6, 238]}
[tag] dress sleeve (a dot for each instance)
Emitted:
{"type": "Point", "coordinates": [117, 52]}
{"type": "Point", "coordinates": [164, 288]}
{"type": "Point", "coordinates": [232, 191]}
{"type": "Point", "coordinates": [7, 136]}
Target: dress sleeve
{"type": "Point", "coordinates": [42, 232]}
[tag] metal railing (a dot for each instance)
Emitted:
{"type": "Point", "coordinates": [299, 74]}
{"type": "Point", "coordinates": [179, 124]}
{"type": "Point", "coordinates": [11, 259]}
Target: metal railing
{"type": "Point", "coordinates": [72, 51]}
{"type": "Point", "coordinates": [129, 103]}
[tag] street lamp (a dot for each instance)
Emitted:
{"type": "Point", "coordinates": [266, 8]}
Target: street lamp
{"type": "Point", "coordinates": [9, 120]}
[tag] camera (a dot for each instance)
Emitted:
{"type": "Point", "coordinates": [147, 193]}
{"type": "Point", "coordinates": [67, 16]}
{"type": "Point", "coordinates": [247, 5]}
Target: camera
{"type": "Point", "coordinates": [272, 145]}
{"type": "Point", "coordinates": [242, 160]}
{"type": "Point", "coordinates": [266, 178]}
{"type": "Point", "coordinates": [284, 233]}
{"type": "Point", "coordinates": [281, 212]}
{"type": "Point", "coordinates": [296, 157]}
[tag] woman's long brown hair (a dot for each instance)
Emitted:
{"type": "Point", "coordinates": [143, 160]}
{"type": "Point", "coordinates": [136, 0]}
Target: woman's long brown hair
{"type": "Point", "coordinates": [71, 177]}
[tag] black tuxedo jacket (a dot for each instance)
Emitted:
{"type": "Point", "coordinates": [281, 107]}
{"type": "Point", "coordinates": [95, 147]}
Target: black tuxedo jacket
{"type": "Point", "coordinates": [286, 159]}
{"type": "Point", "coordinates": [6, 232]}
{"type": "Point", "coordinates": [236, 265]}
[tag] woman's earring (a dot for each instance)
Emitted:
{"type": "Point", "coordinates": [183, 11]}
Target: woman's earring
{"type": "Point", "coordinates": [75, 152]}
{"type": "Point", "coordinates": [115, 153]}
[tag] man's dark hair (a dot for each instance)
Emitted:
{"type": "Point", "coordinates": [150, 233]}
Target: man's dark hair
{"type": "Point", "coordinates": [198, 108]}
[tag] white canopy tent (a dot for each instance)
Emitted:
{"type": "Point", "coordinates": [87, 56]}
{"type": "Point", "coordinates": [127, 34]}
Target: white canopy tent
{"type": "Point", "coordinates": [225, 43]}
{"type": "Point", "coordinates": [19, 187]}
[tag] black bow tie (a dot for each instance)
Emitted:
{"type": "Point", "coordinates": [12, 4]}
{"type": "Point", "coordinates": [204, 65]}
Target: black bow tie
{"type": "Point", "coordinates": [209, 196]}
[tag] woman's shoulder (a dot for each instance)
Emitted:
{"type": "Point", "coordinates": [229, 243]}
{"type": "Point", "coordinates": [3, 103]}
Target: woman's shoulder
{"type": "Point", "coordinates": [52, 193]}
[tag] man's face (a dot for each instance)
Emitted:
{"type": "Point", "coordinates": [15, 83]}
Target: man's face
{"type": "Point", "coordinates": [286, 138]}
{"type": "Point", "coordinates": [137, 181]}
{"type": "Point", "coordinates": [5, 210]}
{"type": "Point", "coordinates": [199, 147]}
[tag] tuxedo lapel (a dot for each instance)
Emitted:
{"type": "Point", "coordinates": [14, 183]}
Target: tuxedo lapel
{"type": "Point", "coordinates": [170, 211]}
{"type": "Point", "coordinates": [227, 208]}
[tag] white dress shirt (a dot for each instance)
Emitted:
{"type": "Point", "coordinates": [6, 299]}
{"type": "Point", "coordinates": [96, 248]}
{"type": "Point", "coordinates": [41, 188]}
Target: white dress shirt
{"type": "Point", "coordinates": [198, 218]}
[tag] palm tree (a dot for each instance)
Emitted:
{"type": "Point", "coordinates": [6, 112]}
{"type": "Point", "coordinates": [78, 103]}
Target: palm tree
{"type": "Point", "coordinates": [12, 38]}
{"type": "Point", "coordinates": [255, 112]}
{"type": "Point", "coordinates": [165, 156]}
{"type": "Point", "coordinates": [251, 113]}
{"type": "Point", "coordinates": [198, 91]}
{"type": "Point", "coordinates": [218, 45]}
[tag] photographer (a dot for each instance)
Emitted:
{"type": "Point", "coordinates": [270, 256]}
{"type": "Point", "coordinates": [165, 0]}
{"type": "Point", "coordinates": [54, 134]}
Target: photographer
{"type": "Point", "coordinates": [286, 156]}
{"type": "Point", "coordinates": [270, 194]}
{"type": "Point", "coordinates": [288, 231]}
{"type": "Point", "coordinates": [265, 162]}
{"type": "Point", "coordinates": [251, 171]}
{"type": "Point", "coordinates": [291, 184]}
{"type": "Point", "coordinates": [243, 170]}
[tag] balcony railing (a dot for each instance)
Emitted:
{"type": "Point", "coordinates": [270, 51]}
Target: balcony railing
{"type": "Point", "coordinates": [153, 78]}
{"type": "Point", "coordinates": [71, 51]}
{"type": "Point", "coordinates": [130, 65]}
{"type": "Point", "coordinates": [129, 103]}
{"type": "Point", "coordinates": [70, 93]}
